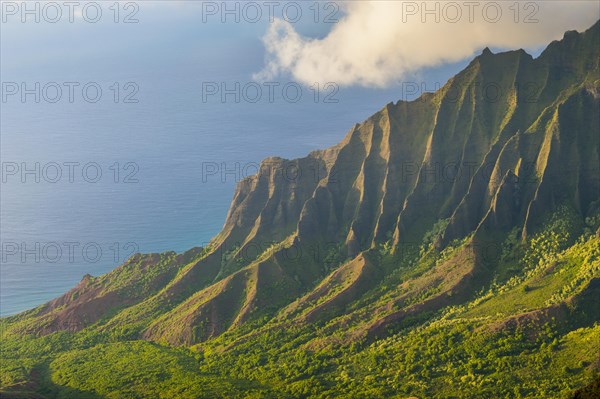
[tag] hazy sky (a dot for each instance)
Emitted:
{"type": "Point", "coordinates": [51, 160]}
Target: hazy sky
{"type": "Point", "coordinates": [375, 44]}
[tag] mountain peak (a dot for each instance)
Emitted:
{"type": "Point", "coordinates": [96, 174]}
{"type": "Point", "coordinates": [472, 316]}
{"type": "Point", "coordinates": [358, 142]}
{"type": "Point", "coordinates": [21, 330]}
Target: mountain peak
{"type": "Point", "coordinates": [570, 34]}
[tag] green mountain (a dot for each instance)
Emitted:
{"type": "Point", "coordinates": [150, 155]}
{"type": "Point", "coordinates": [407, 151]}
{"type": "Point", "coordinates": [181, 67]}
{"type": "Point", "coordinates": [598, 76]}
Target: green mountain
{"type": "Point", "coordinates": [448, 247]}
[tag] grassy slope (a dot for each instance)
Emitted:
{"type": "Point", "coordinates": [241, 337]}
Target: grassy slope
{"type": "Point", "coordinates": [464, 351]}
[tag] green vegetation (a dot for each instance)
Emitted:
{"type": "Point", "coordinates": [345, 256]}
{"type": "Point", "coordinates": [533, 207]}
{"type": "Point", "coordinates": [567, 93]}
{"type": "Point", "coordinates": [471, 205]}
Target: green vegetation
{"type": "Point", "coordinates": [374, 283]}
{"type": "Point", "coordinates": [466, 351]}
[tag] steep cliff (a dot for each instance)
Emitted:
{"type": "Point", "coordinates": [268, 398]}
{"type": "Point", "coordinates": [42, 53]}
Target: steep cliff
{"type": "Point", "coordinates": [417, 211]}
{"type": "Point", "coordinates": [503, 143]}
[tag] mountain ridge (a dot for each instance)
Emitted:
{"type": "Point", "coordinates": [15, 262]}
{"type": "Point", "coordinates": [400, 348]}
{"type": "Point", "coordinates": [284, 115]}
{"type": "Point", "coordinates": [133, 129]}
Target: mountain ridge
{"type": "Point", "coordinates": [418, 212]}
{"type": "Point", "coordinates": [271, 206]}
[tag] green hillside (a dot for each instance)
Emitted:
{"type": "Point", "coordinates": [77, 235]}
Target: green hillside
{"type": "Point", "coordinates": [448, 247]}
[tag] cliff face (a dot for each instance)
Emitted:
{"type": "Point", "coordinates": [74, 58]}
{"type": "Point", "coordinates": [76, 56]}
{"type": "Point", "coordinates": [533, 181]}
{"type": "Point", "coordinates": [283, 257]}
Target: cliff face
{"type": "Point", "coordinates": [500, 146]}
{"type": "Point", "coordinates": [508, 122]}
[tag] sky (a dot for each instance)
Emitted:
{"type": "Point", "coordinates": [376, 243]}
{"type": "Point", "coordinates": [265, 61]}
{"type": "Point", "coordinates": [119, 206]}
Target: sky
{"type": "Point", "coordinates": [370, 44]}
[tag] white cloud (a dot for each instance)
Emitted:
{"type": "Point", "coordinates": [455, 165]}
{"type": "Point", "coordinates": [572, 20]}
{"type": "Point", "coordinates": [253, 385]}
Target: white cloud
{"type": "Point", "coordinates": [379, 42]}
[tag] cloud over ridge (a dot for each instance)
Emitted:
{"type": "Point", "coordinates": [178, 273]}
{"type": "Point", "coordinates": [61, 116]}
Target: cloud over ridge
{"type": "Point", "coordinates": [378, 43]}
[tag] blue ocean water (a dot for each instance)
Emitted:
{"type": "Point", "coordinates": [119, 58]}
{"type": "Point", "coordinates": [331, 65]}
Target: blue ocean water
{"type": "Point", "coordinates": [60, 219]}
